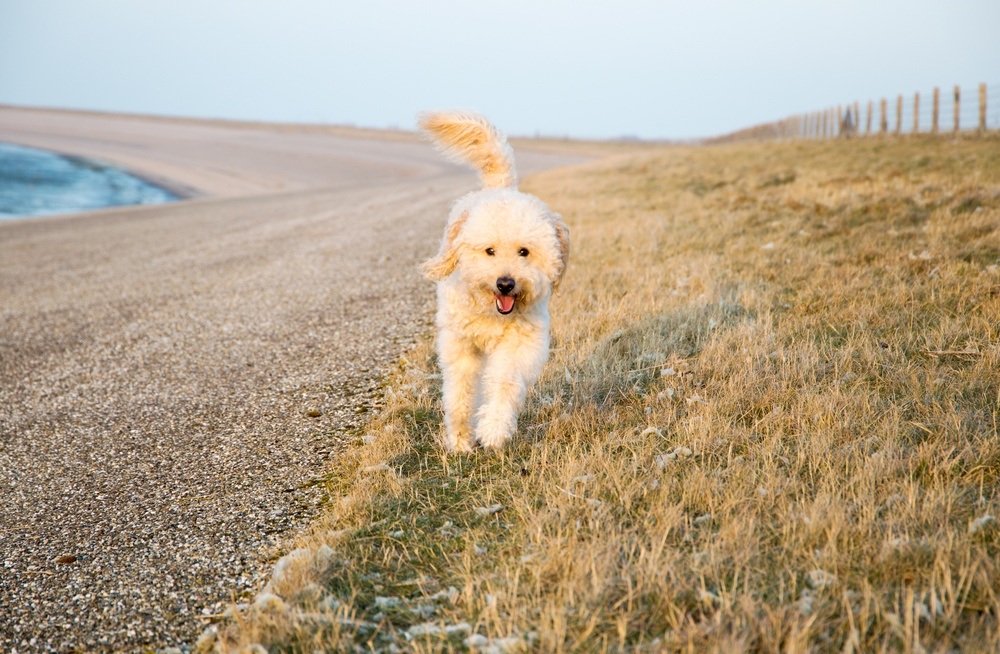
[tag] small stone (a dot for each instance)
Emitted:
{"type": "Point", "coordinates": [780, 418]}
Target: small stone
{"type": "Point", "coordinates": [451, 594]}
{"type": "Point", "coordinates": [329, 603]}
{"type": "Point", "coordinates": [233, 611]}
{"type": "Point", "coordinates": [425, 629]}
{"type": "Point", "coordinates": [423, 610]}
{"type": "Point", "coordinates": [476, 641]}
{"type": "Point", "coordinates": [703, 519]}
{"type": "Point", "coordinates": [314, 413]}
{"type": "Point", "coordinates": [489, 510]}
{"type": "Point", "coordinates": [820, 578]}
{"type": "Point", "coordinates": [458, 629]}
{"type": "Point", "coordinates": [66, 559]}
{"type": "Point", "coordinates": [269, 603]}
{"type": "Point", "coordinates": [708, 597]}
{"type": "Point", "coordinates": [285, 563]}
{"type": "Point", "coordinates": [682, 451]}
{"type": "Point", "coordinates": [206, 641]}
{"type": "Point", "coordinates": [387, 602]}
{"type": "Point", "coordinates": [805, 603]}
{"type": "Point", "coordinates": [981, 523]}
{"type": "Point", "coordinates": [663, 460]}
{"type": "Point", "coordinates": [508, 645]}
{"type": "Point", "coordinates": [324, 557]}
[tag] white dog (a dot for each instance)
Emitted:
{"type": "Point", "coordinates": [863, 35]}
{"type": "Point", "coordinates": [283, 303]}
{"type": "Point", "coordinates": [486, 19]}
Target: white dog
{"type": "Point", "coordinates": [502, 256]}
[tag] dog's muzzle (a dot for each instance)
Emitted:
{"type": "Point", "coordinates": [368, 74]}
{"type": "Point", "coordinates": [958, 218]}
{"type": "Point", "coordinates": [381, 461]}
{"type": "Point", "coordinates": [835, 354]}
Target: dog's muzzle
{"type": "Point", "coordinates": [504, 299]}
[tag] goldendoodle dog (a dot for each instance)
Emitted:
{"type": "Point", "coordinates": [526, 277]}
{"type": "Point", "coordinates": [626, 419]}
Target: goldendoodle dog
{"type": "Point", "coordinates": [503, 254]}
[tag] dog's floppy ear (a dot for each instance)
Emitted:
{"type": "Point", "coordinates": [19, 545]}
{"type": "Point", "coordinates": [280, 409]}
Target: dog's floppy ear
{"type": "Point", "coordinates": [446, 259]}
{"type": "Point", "coordinates": [562, 235]}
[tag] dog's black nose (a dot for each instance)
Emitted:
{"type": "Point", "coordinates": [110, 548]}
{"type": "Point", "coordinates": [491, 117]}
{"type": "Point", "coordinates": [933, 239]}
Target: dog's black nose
{"type": "Point", "coordinates": [505, 285]}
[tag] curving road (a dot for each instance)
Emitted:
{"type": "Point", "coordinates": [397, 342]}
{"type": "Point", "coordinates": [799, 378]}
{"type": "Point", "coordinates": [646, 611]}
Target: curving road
{"type": "Point", "coordinates": [172, 377]}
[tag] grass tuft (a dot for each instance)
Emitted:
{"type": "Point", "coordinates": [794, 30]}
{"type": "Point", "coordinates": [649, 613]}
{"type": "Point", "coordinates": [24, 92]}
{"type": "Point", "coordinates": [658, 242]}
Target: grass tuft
{"type": "Point", "coordinates": [769, 423]}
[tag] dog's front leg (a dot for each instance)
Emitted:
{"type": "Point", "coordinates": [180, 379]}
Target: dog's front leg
{"type": "Point", "coordinates": [507, 374]}
{"type": "Point", "coordinates": [460, 367]}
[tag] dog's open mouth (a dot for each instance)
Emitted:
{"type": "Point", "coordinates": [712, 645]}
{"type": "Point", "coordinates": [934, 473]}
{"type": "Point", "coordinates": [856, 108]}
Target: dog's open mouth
{"type": "Point", "coordinates": [505, 303]}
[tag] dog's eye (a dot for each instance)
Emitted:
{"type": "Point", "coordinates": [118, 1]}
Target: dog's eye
{"type": "Point", "coordinates": [490, 251]}
{"type": "Point", "coordinates": [523, 252]}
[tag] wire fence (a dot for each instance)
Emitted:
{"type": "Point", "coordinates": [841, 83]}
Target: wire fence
{"type": "Point", "coordinates": [942, 111]}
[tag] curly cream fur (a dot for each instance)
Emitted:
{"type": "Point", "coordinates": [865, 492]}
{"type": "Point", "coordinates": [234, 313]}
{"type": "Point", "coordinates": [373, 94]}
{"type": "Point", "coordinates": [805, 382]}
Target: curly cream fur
{"type": "Point", "coordinates": [502, 256]}
{"type": "Point", "coordinates": [467, 136]}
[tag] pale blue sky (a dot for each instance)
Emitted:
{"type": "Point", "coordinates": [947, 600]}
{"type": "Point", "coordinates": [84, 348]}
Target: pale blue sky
{"type": "Point", "coordinates": [589, 69]}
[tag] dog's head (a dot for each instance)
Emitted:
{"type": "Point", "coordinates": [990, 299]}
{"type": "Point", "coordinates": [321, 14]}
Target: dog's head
{"type": "Point", "coordinates": [506, 247]}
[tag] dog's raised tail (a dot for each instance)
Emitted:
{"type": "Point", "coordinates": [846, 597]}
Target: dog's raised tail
{"type": "Point", "coordinates": [469, 137]}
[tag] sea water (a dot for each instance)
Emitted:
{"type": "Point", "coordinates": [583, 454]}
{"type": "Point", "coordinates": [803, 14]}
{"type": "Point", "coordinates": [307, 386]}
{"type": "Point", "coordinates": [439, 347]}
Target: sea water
{"type": "Point", "coordinates": [36, 183]}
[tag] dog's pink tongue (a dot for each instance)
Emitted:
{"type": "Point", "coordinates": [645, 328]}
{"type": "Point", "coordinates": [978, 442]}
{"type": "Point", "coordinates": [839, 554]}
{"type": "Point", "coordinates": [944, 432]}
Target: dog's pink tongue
{"type": "Point", "coordinates": [505, 303]}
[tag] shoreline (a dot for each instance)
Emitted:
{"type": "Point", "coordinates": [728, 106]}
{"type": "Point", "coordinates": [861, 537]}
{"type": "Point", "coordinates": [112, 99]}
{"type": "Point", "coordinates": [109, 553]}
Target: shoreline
{"type": "Point", "coordinates": [88, 174]}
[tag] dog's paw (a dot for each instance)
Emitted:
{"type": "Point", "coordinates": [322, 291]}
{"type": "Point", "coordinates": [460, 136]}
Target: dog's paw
{"type": "Point", "coordinates": [492, 437]}
{"type": "Point", "coordinates": [458, 444]}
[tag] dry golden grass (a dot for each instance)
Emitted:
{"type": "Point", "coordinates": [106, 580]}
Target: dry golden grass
{"type": "Point", "coordinates": [769, 424]}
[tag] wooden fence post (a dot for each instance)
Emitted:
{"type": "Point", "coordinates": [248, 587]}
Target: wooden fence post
{"type": "Point", "coordinates": [868, 121]}
{"type": "Point", "coordinates": [899, 114]}
{"type": "Point", "coordinates": [839, 131]}
{"type": "Point", "coordinates": [857, 119]}
{"type": "Point", "coordinates": [958, 95]}
{"type": "Point", "coordinates": [883, 122]}
{"type": "Point", "coordinates": [916, 112]}
{"type": "Point", "coordinates": [982, 107]}
{"type": "Point", "coordinates": [936, 112]}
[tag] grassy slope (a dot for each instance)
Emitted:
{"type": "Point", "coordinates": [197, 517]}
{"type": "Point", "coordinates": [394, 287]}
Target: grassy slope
{"type": "Point", "coordinates": [769, 422]}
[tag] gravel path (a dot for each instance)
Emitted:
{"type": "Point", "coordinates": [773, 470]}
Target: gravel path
{"type": "Point", "coordinates": [172, 377]}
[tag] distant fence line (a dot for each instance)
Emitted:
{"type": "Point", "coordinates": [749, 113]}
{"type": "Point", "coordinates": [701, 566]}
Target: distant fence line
{"type": "Point", "coordinates": [967, 110]}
